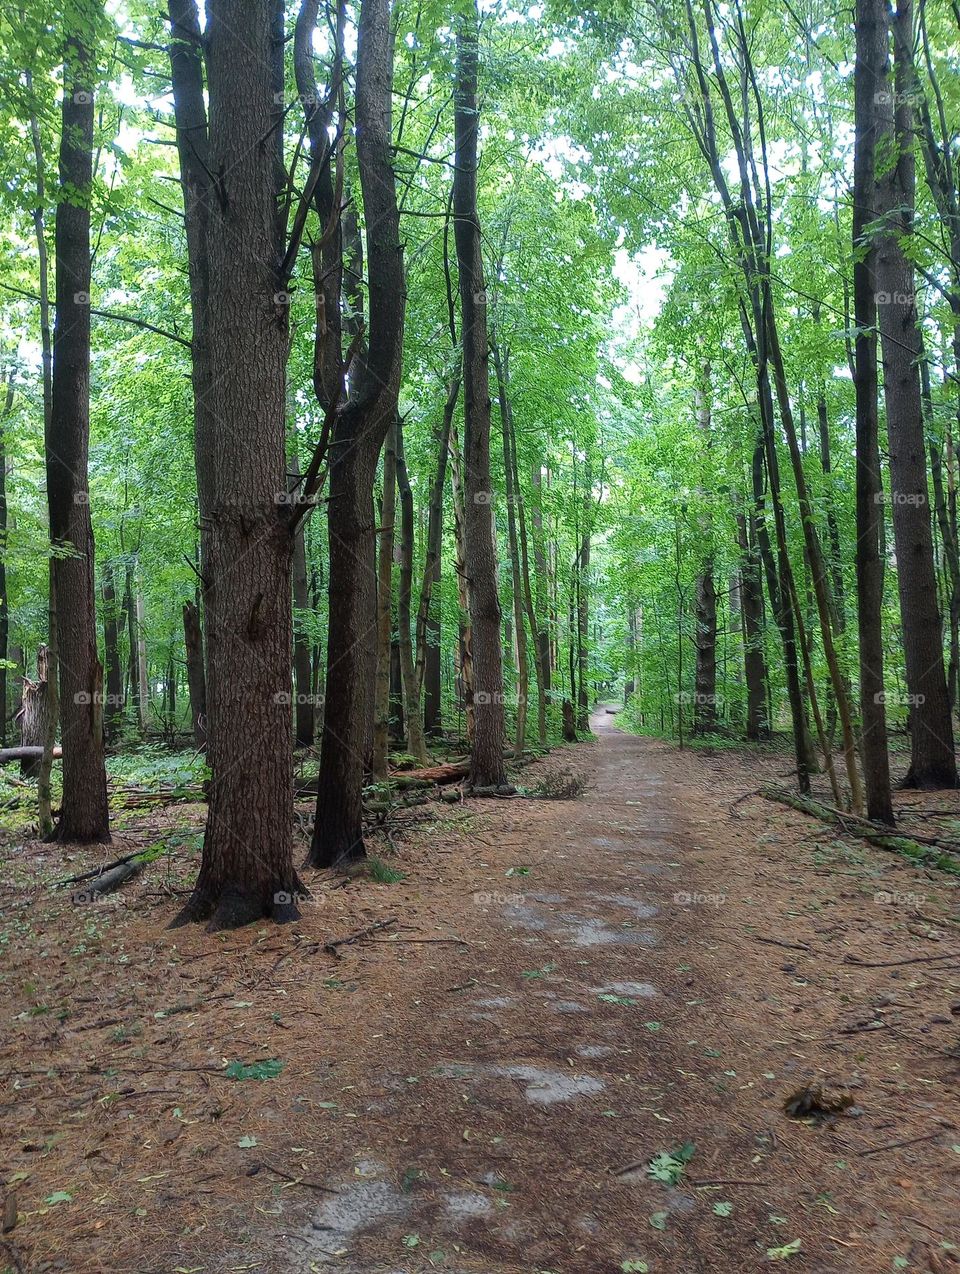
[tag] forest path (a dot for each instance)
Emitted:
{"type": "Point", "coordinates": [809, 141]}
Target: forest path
{"type": "Point", "coordinates": [558, 992]}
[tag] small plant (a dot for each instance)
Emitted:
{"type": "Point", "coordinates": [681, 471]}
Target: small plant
{"type": "Point", "coordinates": [384, 873]}
{"type": "Point", "coordinates": [670, 1165]}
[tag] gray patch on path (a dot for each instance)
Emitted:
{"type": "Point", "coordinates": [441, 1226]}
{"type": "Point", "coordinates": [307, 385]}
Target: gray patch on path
{"type": "Point", "coordinates": [494, 1002]}
{"type": "Point", "coordinates": [355, 1207]}
{"type": "Point", "coordinates": [544, 1087]}
{"type": "Point", "coordinates": [643, 990]}
{"type": "Point", "coordinates": [593, 1050]}
{"type": "Point", "coordinates": [642, 910]}
{"type": "Point", "coordinates": [569, 1006]}
{"type": "Point", "coordinates": [587, 932]}
{"type": "Point", "coordinates": [463, 1207]}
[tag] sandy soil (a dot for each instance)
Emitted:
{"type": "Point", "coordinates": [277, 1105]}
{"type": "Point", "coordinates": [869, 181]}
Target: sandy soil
{"type": "Point", "coordinates": [565, 990]}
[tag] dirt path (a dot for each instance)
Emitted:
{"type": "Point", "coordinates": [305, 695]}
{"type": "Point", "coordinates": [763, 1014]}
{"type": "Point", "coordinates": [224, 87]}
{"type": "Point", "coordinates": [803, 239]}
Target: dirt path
{"type": "Point", "coordinates": [573, 987]}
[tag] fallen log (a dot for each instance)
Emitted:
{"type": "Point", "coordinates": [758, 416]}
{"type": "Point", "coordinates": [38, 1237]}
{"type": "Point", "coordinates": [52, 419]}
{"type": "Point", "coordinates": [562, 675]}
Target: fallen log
{"type": "Point", "coordinates": [447, 773]}
{"type": "Point", "coordinates": [926, 850]}
{"type": "Point", "coordinates": [27, 752]}
{"type": "Point", "coordinates": [106, 882]}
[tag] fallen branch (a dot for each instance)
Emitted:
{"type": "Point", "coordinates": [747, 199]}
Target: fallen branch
{"type": "Point", "coordinates": [332, 947]}
{"type": "Point", "coordinates": [297, 1181]}
{"type": "Point", "coordinates": [97, 871]}
{"type": "Point", "coordinates": [922, 849]}
{"type": "Point", "coordinates": [106, 882]}
{"type": "Point", "coordinates": [25, 753]}
{"type": "Point", "coordinates": [907, 1141]}
{"type": "Point", "coordinates": [891, 964]}
{"type": "Point", "coordinates": [776, 942]}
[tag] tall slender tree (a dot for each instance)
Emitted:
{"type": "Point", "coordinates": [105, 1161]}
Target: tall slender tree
{"type": "Point", "coordinates": [85, 813]}
{"type": "Point", "coordinates": [480, 565]}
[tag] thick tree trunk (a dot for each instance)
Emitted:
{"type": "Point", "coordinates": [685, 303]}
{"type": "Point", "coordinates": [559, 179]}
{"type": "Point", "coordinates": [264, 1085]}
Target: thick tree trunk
{"type": "Point", "coordinates": [358, 436]}
{"type": "Point", "coordinates": [247, 871]}
{"type": "Point", "coordinates": [487, 769]}
{"type": "Point", "coordinates": [143, 679]}
{"type": "Point", "coordinates": [196, 682]}
{"type": "Point", "coordinates": [84, 812]}
{"type": "Point", "coordinates": [113, 700]}
{"type": "Point", "coordinates": [932, 759]}
{"type": "Point", "coordinates": [583, 584]}
{"type": "Point", "coordinates": [416, 744]}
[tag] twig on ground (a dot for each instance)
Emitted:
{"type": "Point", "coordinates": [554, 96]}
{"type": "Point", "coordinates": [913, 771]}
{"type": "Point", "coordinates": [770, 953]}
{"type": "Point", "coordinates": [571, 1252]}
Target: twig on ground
{"type": "Point", "coordinates": [332, 947]}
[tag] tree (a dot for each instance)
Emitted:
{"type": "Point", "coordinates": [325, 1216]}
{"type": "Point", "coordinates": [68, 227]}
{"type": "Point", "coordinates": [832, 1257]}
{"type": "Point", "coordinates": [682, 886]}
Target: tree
{"type": "Point", "coordinates": [871, 35]}
{"type": "Point", "coordinates": [480, 563]}
{"type": "Point", "coordinates": [85, 814]}
{"type": "Point", "coordinates": [358, 434]}
{"type": "Point", "coordinates": [247, 870]}
{"type": "Point", "coordinates": [933, 762]}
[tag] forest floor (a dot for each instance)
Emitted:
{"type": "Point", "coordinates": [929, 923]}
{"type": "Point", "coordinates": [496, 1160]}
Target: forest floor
{"type": "Point", "coordinates": [567, 992]}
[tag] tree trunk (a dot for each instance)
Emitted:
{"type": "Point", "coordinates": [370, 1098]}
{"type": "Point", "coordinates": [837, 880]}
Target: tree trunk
{"type": "Point", "coordinates": [501, 366]}
{"type": "Point", "coordinates": [705, 599]}
{"type": "Point", "coordinates": [932, 759]}
{"type": "Point", "coordinates": [113, 700]}
{"type": "Point", "coordinates": [465, 643]}
{"type": "Point", "coordinates": [416, 744]}
{"type": "Point", "coordinates": [196, 683]}
{"type": "Point", "coordinates": [303, 708]}
{"type": "Point", "coordinates": [487, 769]}
{"type": "Point", "coordinates": [5, 410]}
{"type": "Point", "coordinates": [358, 436]}
{"type": "Point", "coordinates": [196, 183]}
{"type": "Point", "coordinates": [751, 618]}
{"type": "Point", "coordinates": [541, 579]}
{"type": "Point", "coordinates": [85, 815]}
{"type": "Point", "coordinates": [428, 613]}
{"type": "Point", "coordinates": [382, 686]}
{"type": "Point", "coordinates": [133, 643]}
{"type": "Point", "coordinates": [34, 714]}
{"type": "Point", "coordinates": [247, 871]}
{"type": "Point", "coordinates": [143, 678]}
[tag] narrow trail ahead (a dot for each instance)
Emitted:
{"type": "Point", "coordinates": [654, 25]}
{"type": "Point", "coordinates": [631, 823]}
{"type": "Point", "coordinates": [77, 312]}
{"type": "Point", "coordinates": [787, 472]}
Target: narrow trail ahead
{"type": "Point", "coordinates": [550, 996]}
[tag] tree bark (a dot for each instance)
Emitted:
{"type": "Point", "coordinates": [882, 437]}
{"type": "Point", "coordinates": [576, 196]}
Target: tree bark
{"type": "Point", "coordinates": [501, 366]}
{"type": "Point", "coordinates": [358, 436]}
{"type": "Point", "coordinates": [196, 683]}
{"type": "Point", "coordinates": [85, 813]}
{"type": "Point", "coordinates": [382, 696]}
{"type": "Point", "coordinates": [705, 595]}
{"type": "Point", "coordinates": [113, 701]}
{"type": "Point", "coordinates": [34, 714]}
{"type": "Point", "coordinates": [751, 617]}
{"type": "Point", "coordinates": [246, 870]}
{"type": "Point", "coordinates": [487, 768]}
{"type": "Point", "coordinates": [428, 612]}
{"type": "Point", "coordinates": [465, 635]}
{"type": "Point", "coordinates": [8, 399]}
{"type": "Point", "coordinates": [932, 759]}
{"type": "Point", "coordinates": [303, 713]}
{"type": "Point", "coordinates": [416, 744]}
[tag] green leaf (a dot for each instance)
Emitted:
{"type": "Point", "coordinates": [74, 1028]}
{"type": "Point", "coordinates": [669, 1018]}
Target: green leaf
{"type": "Point", "coordinates": [247, 1143]}
{"type": "Point", "coordinates": [411, 1240]}
{"type": "Point", "coordinates": [635, 1267]}
{"type": "Point", "coordinates": [268, 1069]}
{"type": "Point", "coordinates": [659, 1220]}
{"type": "Point", "coordinates": [722, 1209]}
{"type": "Point", "coordinates": [784, 1253]}
{"type": "Point", "coordinates": [59, 1196]}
